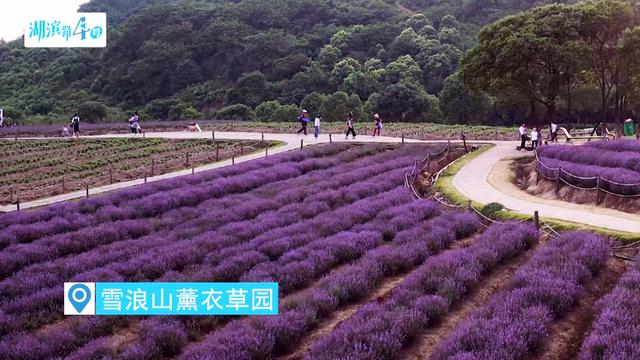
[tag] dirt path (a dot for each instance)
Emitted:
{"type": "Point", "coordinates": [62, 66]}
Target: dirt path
{"type": "Point", "coordinates": [340, 315]}
{"type": "Point", "coordinates": [567, 333]}
{"type": "Point", "coordinates": [423, 346]}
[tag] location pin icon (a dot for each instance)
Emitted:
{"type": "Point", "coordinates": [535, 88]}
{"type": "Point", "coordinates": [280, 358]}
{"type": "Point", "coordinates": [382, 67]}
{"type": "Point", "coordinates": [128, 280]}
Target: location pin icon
{"type": "Point", "coordinates": [79, 296]}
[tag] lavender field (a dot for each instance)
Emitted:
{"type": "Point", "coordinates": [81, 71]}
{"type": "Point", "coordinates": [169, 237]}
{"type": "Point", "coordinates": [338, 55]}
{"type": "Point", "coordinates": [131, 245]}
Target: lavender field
{"type": "Point", "coordinates": [365, 271]}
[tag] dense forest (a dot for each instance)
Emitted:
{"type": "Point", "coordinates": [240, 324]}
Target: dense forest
{"type": "Point", "coordinates": [266, 59]}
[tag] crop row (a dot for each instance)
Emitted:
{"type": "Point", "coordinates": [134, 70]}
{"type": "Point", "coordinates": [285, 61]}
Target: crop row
{"type": "Point", "coordinates": [267, 336]}
{"type": "Point", "coordinates": [514, 322]}
{"type": "Point", "coordinates": [616, 332]}
{"type": "Point", "coordinates": [597, 156]}
{"type": "Point", "coordinates": [380, 330]}
{"type": "Point", "coordinates": [177, 265]}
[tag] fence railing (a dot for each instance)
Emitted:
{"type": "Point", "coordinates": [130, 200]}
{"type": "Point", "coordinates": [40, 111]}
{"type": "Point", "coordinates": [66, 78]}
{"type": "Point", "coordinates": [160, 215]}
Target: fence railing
{"type": "Point", "coordinates": [110, 175]}
{"type": "Point", "coordinates": [599, 184]}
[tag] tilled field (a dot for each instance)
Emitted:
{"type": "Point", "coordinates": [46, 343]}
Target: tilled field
{"type": "Point", "coordinates": [365, 271]}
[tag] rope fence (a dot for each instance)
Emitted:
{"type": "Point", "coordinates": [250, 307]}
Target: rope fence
{"type": "Point", "coordinates": [109, 175]}
{"type": "Point", "coordinates": [599, 184]}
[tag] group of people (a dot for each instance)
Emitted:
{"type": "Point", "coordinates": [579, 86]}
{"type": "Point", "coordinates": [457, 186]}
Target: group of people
{"type": "Point", "coordinates": [534, 135]}
{"type": "Point", "coordinates": [304, 120]}
{"type": "Point", "coordinates": [74, 126]}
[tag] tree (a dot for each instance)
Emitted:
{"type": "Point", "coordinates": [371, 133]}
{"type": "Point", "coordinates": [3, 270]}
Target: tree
{"type": "Point", "coordinates": [460, 105]}
{"type": "Point", "coordinates": [337, 105]}
{"type": "Point", "coordinates": [418, 21]}
{"type": "Point", "coordinates": [603, 26]}
{"type": "Point", "coordinates": [265, 111]}
{"type": "Point", "coordinates": [250, 89]}
{"type": "Point", "coordinates": [313, 102]}
{"type": "Point", "coordinates": [92, 111]}
{"type": "Point", "coordinates": [527, 54]}
{"type": "Point", "coordinates": [403, 68]}
{"type": "Point", "coordinates": [344, 68]}
{"type": "Point", "coordinates": [407, 101]}
{"type": "Point", "coordinates": [329, 56]}
{"type": "Point", "coordinates": [286, 113]}
{"type": "Point", "coordinates": [236, 112]}
{"type": "Point", "coordinates": [361, 84]}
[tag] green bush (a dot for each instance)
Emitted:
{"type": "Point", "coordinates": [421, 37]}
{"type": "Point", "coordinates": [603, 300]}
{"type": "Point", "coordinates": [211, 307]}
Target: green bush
{"type": "Point", "coordinates": [236, 112]}
{"type": "Point", "coordinates": [286, 113]}
{"type": "Point", "coordinates": [265, 111]}
{"type": "Point", "coordinates": [92, 111]}
{"type": "Point", "coordinates": [491, 209]}
{"type": "Point", "coordinates": [184, 111]}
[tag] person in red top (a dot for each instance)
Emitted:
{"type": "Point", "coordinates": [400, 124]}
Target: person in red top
{"type": "Point", "coordinates": [350, 129]}
{"type": "Point", "coordinates": [378, 126]}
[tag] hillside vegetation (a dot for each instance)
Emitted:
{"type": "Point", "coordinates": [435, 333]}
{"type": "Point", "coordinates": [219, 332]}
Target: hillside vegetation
{"type": "Point", "coordinates": [259, 59]}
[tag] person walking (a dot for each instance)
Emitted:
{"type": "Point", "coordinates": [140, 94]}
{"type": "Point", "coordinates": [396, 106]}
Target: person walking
{"type": "Point", "coordinates": [304, 119]}
{"type": "Point", "coordinates": [134, 123]}
{"type": "Point", "coordinates": [534, 138]}
{"type": "Point", "coordinates": [522, 130]}
{"type": "Point", "coordinates": [316, 126]}
{"type": "Point", "coordinates": [553, 131]}
{"type": "Point", "coordinates": [350, 129]}
{"type": "Point", "coordinates": [75, 125]}
{"type": "Point", "coordinates": [378, 125]}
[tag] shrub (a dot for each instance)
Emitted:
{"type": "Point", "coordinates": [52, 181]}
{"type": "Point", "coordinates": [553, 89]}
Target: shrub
{"type": "Point", "coordinates": [92, 111]}
{"type": "Point", "coordinates": [265, 111]}
{"type": "Point", "coordinates": [236, 112]}
{"type": "Point", "coordinates": [490, 210]}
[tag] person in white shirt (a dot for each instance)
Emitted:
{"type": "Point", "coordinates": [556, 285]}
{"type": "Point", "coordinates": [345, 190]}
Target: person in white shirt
{"type": "Point", "coordinates": [534, 138]}
{"type": "Point", "coordinates": [316, 126]}
{"type": "Point", "coordinates": [523, 136]}
{"type": "Point", "coordinates": [553, 131]}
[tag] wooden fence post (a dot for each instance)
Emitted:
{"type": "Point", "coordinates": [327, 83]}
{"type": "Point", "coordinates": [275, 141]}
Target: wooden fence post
{"type": "Point", "coordinates": [64, 187]}
{"type": "Point", "coordinates": [330, 139]}
{"type": "Point", "coordinates": [18, 204]}
{"type": "Point", "coordinates": [217, 152]}
{"type": "Point", "coordinates": [187, 158]}
{"type": "Point", "coordinates": [536, 219]}
{"type": "Point", "coordinates": [262, 136]}
{"type": "Point", "coordinates": [233, 160]}
{"type": "Point", "coordinates": [598, 198]}
{"type": "Point", "coordinates": [241, 149]}
{"type": "Point", "coordinates": [403, 139]}
{"type": "Point", "coordinates": [301, 143]}
{"type": "Point", "coordinates": [469, 206]}
{"type": "Point", "coordinates": [266, 151]}
{"type": "Point", "coordinates": [193, 170]}
{"type": "Point", "coordinates": [558, 182]}
{"type": "Point", "coordinates": [87, 189]}
{"type": "Point", "coordinates": [213, 134]}
{"type": "Point", "coordinates": [464, 141]}
{"type": "Point", "coordinates": [110, 175]}
{"type": "Point", "coordinates": [153, 167]}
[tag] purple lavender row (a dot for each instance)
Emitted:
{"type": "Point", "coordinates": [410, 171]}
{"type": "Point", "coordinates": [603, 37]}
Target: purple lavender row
{"type": "Point", "coordinates": [150, 265]}
{"type": "Point", "coordinates": [24, 254]}
{"type": "Point", "coordinates": [618, 145]}
{"type": "Point", "coordinates": [147, 263]}
{"type": "Point", "coordinates": [621, 176]}
{"type": "Point", "coordinates": [380, 330]}
{"type": "Point", "coordinates": [284, 217]}
{"type": "Point", "coordinates": [589, 155]}
{"type": "Point", "coordinates": [72, 221]}
{"type": "Point", "coordinates": [124, 196]}
{"type": "Point", "coordinates": [514, 322]}
{"type": "Point", "coordinates": [262, 338]}
{"type": "Point", "coordinates": [616, 332]}
{"type": "Point", "coordinates": [58, 342]}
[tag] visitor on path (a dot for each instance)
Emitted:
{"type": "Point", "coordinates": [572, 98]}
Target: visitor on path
{"type": "Point", "coordinates": [134, 123]}
{"type": "Point", "coordinates": [316, 126]}
{"type": "Point", "coordinates": [523, 136]}
{"type": "Point", "coordinates": [553, 131]}
{"type": "Point", "coordinates": [534, 138]}
{"type": "Point", "coordinates": [75, 125]}
{"type": "Point", "coordinates": [65, 131]}
{"type": "Point", "coordinates": [304, 120]}
{"type": "Point", "coordinates": [378, 125]}
{"type": "Point", "coordinates": [350, 129]}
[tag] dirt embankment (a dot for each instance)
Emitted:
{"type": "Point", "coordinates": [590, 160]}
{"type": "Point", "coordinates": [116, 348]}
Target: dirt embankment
{"type": "Point", "coordinates": [527, 179]}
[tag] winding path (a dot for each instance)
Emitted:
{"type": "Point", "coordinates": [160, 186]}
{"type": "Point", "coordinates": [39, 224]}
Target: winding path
{"type": "Point", "coordinates": [484, 179]}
